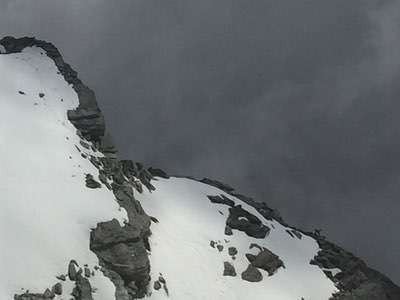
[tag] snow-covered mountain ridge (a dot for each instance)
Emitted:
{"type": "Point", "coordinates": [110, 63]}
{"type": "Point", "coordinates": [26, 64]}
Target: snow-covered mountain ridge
{"type": "Point", "coordinates": [78, 223]}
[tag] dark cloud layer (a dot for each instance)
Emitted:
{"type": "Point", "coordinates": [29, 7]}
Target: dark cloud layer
{"type": "Point", "coordinates": [294, 102]}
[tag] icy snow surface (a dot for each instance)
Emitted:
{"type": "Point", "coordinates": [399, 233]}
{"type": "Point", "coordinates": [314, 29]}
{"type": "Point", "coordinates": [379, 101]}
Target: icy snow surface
{"type": "Point", "coordinates": [181, 249]}
{"type": "Point", "coordinates": [46, 210]}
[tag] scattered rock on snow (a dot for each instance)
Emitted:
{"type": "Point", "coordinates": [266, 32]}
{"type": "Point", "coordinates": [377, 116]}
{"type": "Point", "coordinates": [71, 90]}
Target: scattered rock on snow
{"type": "Point", "coordinates": [57, 288]}
{"type": "Point", "coordinates": [242, 220]}
{"type": "Point", "coordinates": [91, 183]}
{"type": "Point", "coordinates": [229, 269]}
{"type": "Point", "coordinates": [232, 251]}
{"type": "Point", "coordinates": [157, 285]}
{"type": "Point", "coordinates": [267, 261]}
{"type": "Point", "coordinates": [252, 274]}
{"type": "Point", "coordinates": [221, 199]}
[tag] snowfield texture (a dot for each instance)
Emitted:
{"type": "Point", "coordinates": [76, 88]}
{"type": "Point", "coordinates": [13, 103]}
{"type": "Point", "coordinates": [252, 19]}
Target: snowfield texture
{"type": "Point", "coordinates": [46, 210]}
{"type": "Point", "coordinates": [181, 251]}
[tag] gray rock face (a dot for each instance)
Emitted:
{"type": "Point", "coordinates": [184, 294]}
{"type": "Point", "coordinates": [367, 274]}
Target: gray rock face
{"type": "Point", "coordinates": [57, 289]}
{"type": "Point", "coordinates": [228, 230]}
{"type": "Point", "coordinates": [229, 269]}
{"type": "Point", "coordinates": [242, 220]}
{"type": "Point", "coordinates": [221, 200]}
{"type": "Point", "coordinates": [91, 183]}
{"type": "Point", "coordinates": [29, 296]}
{"type": "Point", "coordinates": [72, 272]}
{"type": "Point", "coordinates": [252, 274]}
{"type": "Point", "coordinates": [232, 251]}
{"type": "Point", "coordinates": [82, 289]}
{"type": "Point", "coordinates": [366, 291]}
{"type": "Point", "coordinates": [122, 250]}
{"type": "Point", "coordinates": [267, 261]}
{"type": "Point", "coordinates": [356, 280]}
{"type": "Point", "coordinates": [222, 186]}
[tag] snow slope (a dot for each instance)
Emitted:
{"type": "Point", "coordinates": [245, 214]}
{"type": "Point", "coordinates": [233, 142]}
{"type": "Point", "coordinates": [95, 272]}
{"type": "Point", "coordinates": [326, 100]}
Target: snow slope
{"type": "Point", "coordinates": [46, 210]}
{"type": "Point", "coordinates": [181, 251]}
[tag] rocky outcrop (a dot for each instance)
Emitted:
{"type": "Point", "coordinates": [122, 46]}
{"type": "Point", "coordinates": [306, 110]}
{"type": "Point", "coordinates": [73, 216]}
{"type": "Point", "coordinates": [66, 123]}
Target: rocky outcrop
{"type": "Point", "coordinates": [47, 295]}
{"type": "Point", "coordinates": [266, 260]}
{"type": "Point", "coordinates": [122, 250]}
{"type": "Point", "coordinates": [356, 280]}
{"type": "Point", "coordinates": [221, 200]}
{"type": "Point", "coordinates": [252, 274]}
{"type": "Point", "coordinates": [229, 269]}
{"type": "Point", "coordinates": [242, 220]}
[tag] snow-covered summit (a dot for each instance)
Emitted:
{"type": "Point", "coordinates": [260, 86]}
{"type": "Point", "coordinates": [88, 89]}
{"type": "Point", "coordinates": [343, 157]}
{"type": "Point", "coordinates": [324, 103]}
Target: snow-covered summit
{"type": "Point", "coordinates": [78, 223]}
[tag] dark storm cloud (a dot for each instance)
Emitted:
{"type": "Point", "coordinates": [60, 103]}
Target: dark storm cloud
{"type": "Point", "coordinates": [294, 102]}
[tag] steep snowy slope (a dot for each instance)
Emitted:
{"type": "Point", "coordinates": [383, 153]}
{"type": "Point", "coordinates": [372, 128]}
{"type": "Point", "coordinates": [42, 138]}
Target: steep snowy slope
{"type": "Point", "coordinates": [46, 210]}
{"type": "Point", "coordinates": [78, 223]}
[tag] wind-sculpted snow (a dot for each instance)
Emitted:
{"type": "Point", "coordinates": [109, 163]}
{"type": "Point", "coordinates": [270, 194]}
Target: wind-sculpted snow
{"type": "Point", "coordinates": [46, 211]}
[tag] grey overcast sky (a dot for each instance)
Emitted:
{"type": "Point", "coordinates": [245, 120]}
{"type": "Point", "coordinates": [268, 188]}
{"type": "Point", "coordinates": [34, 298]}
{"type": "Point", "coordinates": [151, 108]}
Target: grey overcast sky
{"type": "Point", "coordinates": [293, 102]}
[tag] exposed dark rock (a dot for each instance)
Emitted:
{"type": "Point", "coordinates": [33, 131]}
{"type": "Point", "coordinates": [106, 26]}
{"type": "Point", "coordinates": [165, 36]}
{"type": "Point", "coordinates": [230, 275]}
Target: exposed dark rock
{"type": "Point", "coordinates": [137, 170]}
{"type": "Point", "coordinates": [229, 269]}
{"type": "Point", "coordinates": [158, 173]}
{"type": "Point", "coordinates": [21, 92]}
{"type": "Point", "coordinates": [252, 274]}
{"type": "Point", "coordinates": [267, 261]}
{"type": "Point", "coordinates": [220, 248]}
{"type": "Point", "coordinates": [122, 250]}
{"type": "Point", "coordinates": [61, 277]}
{"type": "Point", "coordinates": [221, 200]}
{"type": "Point", "coordinates": [254, 245]}
{"type": "Point", "coordinates": [242, 220]}
{"type": "Point", "coordinates": [41, 95]}
{"type": "Point", "coordinates": [91, 183]}
{"type": "Point", "coordinates": [212, 244]}
{"type": "Point", "coordinates": [72, 273]}
{"type": "Point", "coordinates": [157, 285]}
{"type": "Point", "coordinates": [82, 289]}
{"type": "Point", "coordinates": [228, 230]}
{"type": "Point", "coordinates": [250, 257]}
{"type": "Point", "coordinates": [154, 219]}
{"type": "Point", "coordinates": [162, 279]}
{"type": "Point", "coordinates": [297, 234]}
{"type": "Point", "coordinates": [222, 186]}
{"type": "Point", "coordinates": [30, 296]}
{"type": "Point", "coordinates": [267, 212]}
{"type": "Point", "coordinates": [232, 251]}
{"type": "Point", "coordinates": [86, 272]}
{"type": "Point", "coordinates": [356, 279]}
{"type": "Point", "coordinates": [366, 291]}
{"type": "Point", "coordinates": [290, 233]}
{"type": "Point", "coordinates": [57, 289]}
